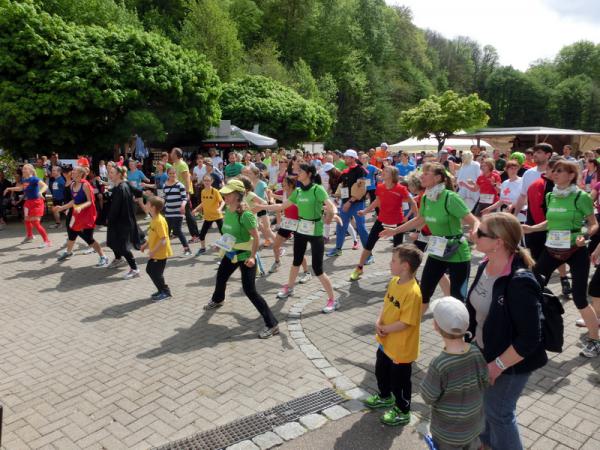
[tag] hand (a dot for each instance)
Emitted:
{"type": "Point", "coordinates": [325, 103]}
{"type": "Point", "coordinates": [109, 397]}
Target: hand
{"type": "Point", "coordinates": [182, 210]}
{"type": "Point", "coordinates": [526, 229]}
{"type": "Point", "coordinates": [257, 208]}
{"type": "Point", "coordinates": [150, 255]}
{"type": "Point", "coordinates": [346, 206]}
{"type": "Point", "coordinates": [493, 372]}
{"type": "Point", "coordinates": [7, 191]}
{"type": "Point", "coordinates": [250, 262]}
{"type": "Point", "coordinates": [56, 208]}
{"type": "Point", "coordinates": [379, 330]}
{"type": "Point", "coordinates": [77, 209]}
{"type": "Point", "coordinates": [485, 211]}
{"type": "Point", "coordinates": [387, 233]}
{"type": "Point", "coordinates": [143, 248]}
{"type": "Point", "coordinates": [362, 212]}
{"type": "Point", "coordinates": [413, 236]}
{"type": "Point", "coordinates": [595, 256]}
{"type": "Point", "coordinates": [580, 241]}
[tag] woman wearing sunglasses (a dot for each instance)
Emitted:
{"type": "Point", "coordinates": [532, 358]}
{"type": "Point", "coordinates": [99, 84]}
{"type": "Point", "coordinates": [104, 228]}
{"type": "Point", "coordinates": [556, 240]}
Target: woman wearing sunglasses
{"type": "Point", "coordinates": [568, 206]}
{"type": "Point", "coordinates": [505, 323]}
{"type": "Point", "coordinates": [443, 211]}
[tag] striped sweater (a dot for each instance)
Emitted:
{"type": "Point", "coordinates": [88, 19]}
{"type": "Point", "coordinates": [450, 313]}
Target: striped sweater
{"type": "Point", "coordinates": [174, 196]}
{"type": "Point", "coordinates": [454, 388]}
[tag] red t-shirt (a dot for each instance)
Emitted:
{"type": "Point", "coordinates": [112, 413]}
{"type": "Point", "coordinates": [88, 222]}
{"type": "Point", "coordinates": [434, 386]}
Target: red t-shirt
{"type": "Point", "coordinates": [487, 187]}
{"type": "Point", "coordinates": [291, 212]}
{"type": "Point", "coordinates": [535, 199]}
{"type": "Point", "coordinates": [390, 203]}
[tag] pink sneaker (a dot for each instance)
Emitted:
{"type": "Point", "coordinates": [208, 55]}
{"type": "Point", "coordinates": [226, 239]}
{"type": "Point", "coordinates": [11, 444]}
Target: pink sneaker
{"type": "Point", "coordinates": [331, 306]}
{"type": "Point", "coordinates": [355, 245]}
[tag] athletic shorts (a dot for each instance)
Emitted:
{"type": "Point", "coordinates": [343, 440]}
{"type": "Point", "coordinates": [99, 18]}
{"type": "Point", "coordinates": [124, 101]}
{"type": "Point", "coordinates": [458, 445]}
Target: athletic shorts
{"type": "Point", "coordinates": [34, 208]}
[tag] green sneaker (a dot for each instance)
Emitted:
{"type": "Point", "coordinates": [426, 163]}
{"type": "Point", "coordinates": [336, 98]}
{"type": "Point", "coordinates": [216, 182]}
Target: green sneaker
{"type": "Point", "coordinates": [375, 401]}
{"type": "Point", "coordinates": [395, 417]}
{"type": "Point", "coordinates": [356, 274]}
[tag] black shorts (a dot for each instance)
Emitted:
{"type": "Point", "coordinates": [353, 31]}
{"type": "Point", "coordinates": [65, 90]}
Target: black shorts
{"type": "Point", "coordinates": [284, 233]}
{"type": "Point", "coordinates": [261, 213]}
{"type": "Point", "coordinates": [87, 235]}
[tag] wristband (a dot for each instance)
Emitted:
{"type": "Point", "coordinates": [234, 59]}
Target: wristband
{"type": "Point", "coordinates": [500, 364]}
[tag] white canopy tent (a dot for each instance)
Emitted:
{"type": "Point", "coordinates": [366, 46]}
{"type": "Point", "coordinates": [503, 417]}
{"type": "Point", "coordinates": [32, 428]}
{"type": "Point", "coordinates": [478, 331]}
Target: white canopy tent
{"type": "Point", "coordinates": [414, 145]}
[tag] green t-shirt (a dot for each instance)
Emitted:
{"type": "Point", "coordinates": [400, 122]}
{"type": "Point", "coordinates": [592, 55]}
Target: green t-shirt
{"type": "Point", "coordinates": [568, 213]}
{"type": "Point", "coordinates": [443, 217]}
{"type": "Point", "coordinates": [181, 167]}
{"type": "Point", "coordinates": [239, 226]}
{"type": "Point", "coordinates": [340, 164]}
{"type": "Point", "coordinates": [40, 172]}
{"type": "Point", "coordinates": [267, 162]}
{"type": "Point", "coordinates": [233, 169]}
{"type": "Point", "coordinates": [310, 205]}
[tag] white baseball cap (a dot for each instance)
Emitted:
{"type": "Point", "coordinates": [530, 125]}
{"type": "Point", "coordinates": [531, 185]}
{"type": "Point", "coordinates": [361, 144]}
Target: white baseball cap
{"type": "Point", "coordinates": [384, 144]}
{"type": "Point", "coordinates": [327, 167]}
{"type": "Point", "coordinates": [351, 153]}
{"type": "Point", "coordinates": [451, 315]}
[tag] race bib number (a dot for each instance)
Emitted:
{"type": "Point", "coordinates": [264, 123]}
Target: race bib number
{"type": "Point", "coordinates": [405, 206]}
{"type": "Point", "coordinates": [488, 199]}
{"type": "Point", "coordinates": [306, 227]}
{"type": "Point", "coordinates": [436, 246]}
{"type": "Point", "coordinates": [558, 239]}
{"type": "Point", "coordinates": [422, 238]}
{"type": "Point", "coordinates": [388, 225]}
{"type": "Point", "coordinates": [55, 186]}
{"type": "Point", "coordinates": [367, 182]}
{"type": "Point", "coordinates": [289, 224]}
{"type": "Point", "coordinates": [345, 192]}
{"type": "Point", "coordinates": [226, 242]}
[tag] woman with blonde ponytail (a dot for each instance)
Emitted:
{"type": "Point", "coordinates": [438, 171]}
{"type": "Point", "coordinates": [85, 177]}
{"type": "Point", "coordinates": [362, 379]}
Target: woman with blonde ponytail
{"type": "Point", "coordinates": [504, 311]}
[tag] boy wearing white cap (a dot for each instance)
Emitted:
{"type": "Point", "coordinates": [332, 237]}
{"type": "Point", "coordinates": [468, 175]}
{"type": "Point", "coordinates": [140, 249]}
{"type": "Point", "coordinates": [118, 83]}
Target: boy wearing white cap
{"type": "Point", "coordinates": [455, 381]}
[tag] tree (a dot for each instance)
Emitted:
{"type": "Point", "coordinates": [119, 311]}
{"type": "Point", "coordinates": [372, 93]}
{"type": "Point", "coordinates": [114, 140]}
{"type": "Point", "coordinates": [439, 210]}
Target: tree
{"type": "Point", "coordinates": [280, 111]}
{"type": "Point", "coordinates": [76, 87]}
{"type": "Point", "coordinates": [209, 30]}
{"type": "Point", "coordinates": [91, 12]}
{"type": "Point", "coordinates": [572, 102]}
{"type": "Point", "coordinates": [443, 115]}
{"type": "Point", "coordinates": [580, 58]}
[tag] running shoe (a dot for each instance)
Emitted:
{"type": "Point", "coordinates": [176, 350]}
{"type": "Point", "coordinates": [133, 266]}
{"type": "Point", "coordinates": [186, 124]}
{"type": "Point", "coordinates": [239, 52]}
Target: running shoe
{"type": "Point", "coordinates": [275, 267]}
{"type": "Point", "coordinates": [27, 240]}
{"type": "Point", "coordinates": [305, 278]}
{"type": "Point", "coordinates": [355, 245]}
{"type": "Point", "coordinates": [162, 296]}
{"type": "Point", "coordinates": [187, 253]}
{"type": "Point", "coordinates": [56, 226]}
{"type": "Point", "coordinates": [370, 260]}
{"type": "Point", "coordinates": [395, 417]}
{"type": "Point", "coordinates": [64, 256]}
{"type": "Point", "coordinates": [132, 273]}
{"type": "Point", "coordinates": [267, 332]}
{"type": "Point", "coordinates": [156, 294]}
{"type": "Point", "coordinates": [375, 401]}
{"type": "Point", "coordinates": [591, 349]}
{"type": "Point", "coordinates": [356, 274]}
{"type": "Point", "coordinates": [212, 305]}
{"type": "Point", "coordinates": [566, 286]}
{"type": "Point", "coordinates": [334, 252]}
{"type": "Point", "coordinates": [580, 323]}
{"type": "Point", "coordinates": [117, 262]}
{"type": "Point", "coordinates": [45, 244]}
{"type": "Point", "coordinates": [331, 306]}
{"type": "Point", "coordinates": [201, 251]}
{"type": "Point", "coordinates": [285, 292]}
{"type": "Point", "coordinates": [89, 251]}
{"type": "Point", "coordinates": [102, 262]}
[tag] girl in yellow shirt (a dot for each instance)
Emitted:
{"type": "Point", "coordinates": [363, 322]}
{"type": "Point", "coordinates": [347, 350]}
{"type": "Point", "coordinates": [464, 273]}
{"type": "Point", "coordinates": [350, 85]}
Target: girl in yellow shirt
{"type": "Point", "coordinates": [211, 204]}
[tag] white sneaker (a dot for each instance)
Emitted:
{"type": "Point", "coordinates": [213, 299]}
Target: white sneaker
{"type": "Point", "coordinates": [103, 262]}
{"type": "Point", "coordinates": [88, 251]}
{"type": "Point", "coordinates": [275, 267]}
{"type": "Point", "coordinates": [304, 278]}
{"type": "Point", "coordinates": [285, 292]}
{"type": "Point", "coordinates": [331, 306]}
{"type": "Point", "coordinates": [133, 273]}
{"type": "Point", "coordinates": [580, 323]}
{"type": "Point", "coordinates": [45, 244]}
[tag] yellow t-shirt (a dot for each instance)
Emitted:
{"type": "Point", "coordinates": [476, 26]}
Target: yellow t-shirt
{"type": "Point", "coordinates": [180, 168]}
{"type": "Point", "coordinates": [157, 231]}
{"type": "Point", "coordinates": [211, 199]}
{"type": "Point", "coordinates": [402, 302]}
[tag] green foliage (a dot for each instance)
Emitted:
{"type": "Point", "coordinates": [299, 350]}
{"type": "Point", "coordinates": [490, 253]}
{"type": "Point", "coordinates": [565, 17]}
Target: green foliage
{"type": "Point", "coordinates": [443, 115]}
{"type": "Point", "coordinates": [209, 30]}
{"type": "Point", "coordinates": [8, 164]}
{"type": "Point", "coordinates": [573, 102]}
{"type": "Point", "coordinates": [248, 18]}
{"type": "Point", "coordinates": [91, 12]}
{"type": "Point", "coordinates": [82, 87]}
{"type": "Point", "coordinates": [280, 111]}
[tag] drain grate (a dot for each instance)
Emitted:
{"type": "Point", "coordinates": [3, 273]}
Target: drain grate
{"type": "Point", "coordinates": [248, 427]}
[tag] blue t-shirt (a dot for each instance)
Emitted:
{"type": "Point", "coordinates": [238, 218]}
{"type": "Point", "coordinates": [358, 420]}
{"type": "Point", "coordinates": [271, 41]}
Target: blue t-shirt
{"type": "Point", "coordinates": [405, 170]}
{"type": "Point", "coordinates": [160, 180]}
{"type": "Point", "coordinates": [136, 178]}
{"type": "Point", "coordinates": [31, 188]}
{"type": "Point", "coordinates": [57, 187]}
{"type": "Point", "coordinates": [372, 175]}
{"type": "Point", "coordinates": [260, 188]}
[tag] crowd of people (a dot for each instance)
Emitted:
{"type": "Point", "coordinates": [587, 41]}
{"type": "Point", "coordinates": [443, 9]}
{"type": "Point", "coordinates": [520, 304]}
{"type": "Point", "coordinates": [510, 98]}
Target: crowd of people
{"type": "Point", "coordinates": [529, 213]}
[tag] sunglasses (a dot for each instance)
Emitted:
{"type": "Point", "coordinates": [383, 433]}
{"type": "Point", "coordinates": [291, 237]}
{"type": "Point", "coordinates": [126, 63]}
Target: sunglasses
{"type": "Point", "coordinates": [481, 234]}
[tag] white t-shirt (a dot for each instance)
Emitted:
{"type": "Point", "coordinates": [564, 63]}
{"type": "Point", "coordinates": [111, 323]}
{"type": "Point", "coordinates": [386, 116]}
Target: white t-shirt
{"type": "Point", "coordinates": [324, 179]}
{"type": "Point", "coordinates": [509, 193]}
{"type": "Point", "coordinates": [273, 173]}
{"type": "Point", "coordinates": [199, 173]}
{"type": "Point", "coordinates": [468, 173]}
{"type": "Point", "coordinates": [217, 162]}
{"type": "Point", "coordinates": [529, 177]}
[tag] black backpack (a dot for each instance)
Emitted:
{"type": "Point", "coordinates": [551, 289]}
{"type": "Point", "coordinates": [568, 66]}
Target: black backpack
{"type": "Point", "coordinates": [551, 311]}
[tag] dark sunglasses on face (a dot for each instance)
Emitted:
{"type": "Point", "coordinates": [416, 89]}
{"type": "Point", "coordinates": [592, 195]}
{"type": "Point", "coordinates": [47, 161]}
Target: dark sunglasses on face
{"type": "Point", "coordinates": [481, 234]}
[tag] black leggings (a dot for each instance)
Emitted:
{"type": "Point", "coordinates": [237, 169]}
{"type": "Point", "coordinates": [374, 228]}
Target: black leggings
{"type": "Point", "coordinates": [155, 270]}
{"type": "Point", "coordinates": [191, 220]}
{"type": "Point", "coordinates": [123, 253]}
{"type": "Point", "coordinates": [434, 270]}
{"type": "Point", "coordinates": [536, 243]}
{"type": "Point", "coordinates": [374, 236]}
{"type": "Point", "coordinates": [394, 379]}
{"type": "Point", "coordinates": [579, 263]}
{"type": "Point", "coordinates": [87, 235]}
{"type": "Point", "coordinates": [175, 228]}
{"type": "Point", "coordinates": [317, 247]}
{"type": "Point", "coordinates": [226, 269]}
{"type": "Point", "coordinates": [207, 225]}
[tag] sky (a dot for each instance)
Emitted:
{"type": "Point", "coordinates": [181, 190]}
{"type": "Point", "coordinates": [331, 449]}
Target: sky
{"type": "Point", "coordinates": [522, 31]}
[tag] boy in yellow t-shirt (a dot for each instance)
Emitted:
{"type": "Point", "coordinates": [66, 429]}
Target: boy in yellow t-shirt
{"type": "Point", "coordinates": [211, 204]}
{"type": "Point", "coordinates": [397, 330]}
{"type": "Point", "coordinates": [159, 248]}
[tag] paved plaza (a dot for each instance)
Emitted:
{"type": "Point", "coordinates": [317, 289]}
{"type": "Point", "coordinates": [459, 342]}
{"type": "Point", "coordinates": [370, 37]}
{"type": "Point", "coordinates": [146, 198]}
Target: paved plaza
{"type": "Point", "coordinates": [87, 361]}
